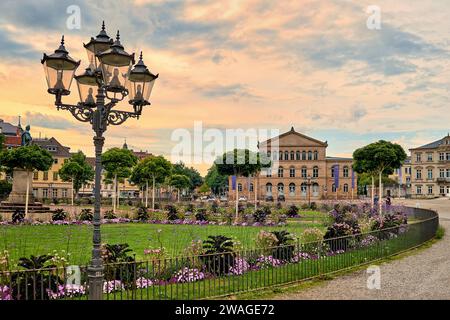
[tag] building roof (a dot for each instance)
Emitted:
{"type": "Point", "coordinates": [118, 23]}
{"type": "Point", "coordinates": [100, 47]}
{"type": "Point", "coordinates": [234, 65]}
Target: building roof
{"type": "Point", "coordinates": [53, 146]}
{"type": "Point", "coordinates": [338, 159]}
{"type": "Point", "coordinates": [8, 129]}
{"type": "Point", "coordinates": [292, 131]}
{"type": "Point", "coordinates": [435, 144]}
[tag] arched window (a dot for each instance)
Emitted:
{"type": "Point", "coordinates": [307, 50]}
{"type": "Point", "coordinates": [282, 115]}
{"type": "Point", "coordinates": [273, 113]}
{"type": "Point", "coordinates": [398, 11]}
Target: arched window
{"type": "Point", "coordinates": [292, 189]}
{"type": "Point", "coordinates": [315, 172]}
{"type": "Point", "coordinates": [269, 189]}
{"type": "Point", "coordinates": [275, 155]}
{"type": "Point", "coordinates": [332, 171]}
{"type": "Point", "coordinates": [304, 172]}
{"type": "Point", "coordinates": [292, 172]}
{"type": "Point", "coordinates": [316, 155]}
{"type": "Point", "coordinates": [345, 187]}
{"type": "Point", "coordinates": [292, 155]}
{"type": "Point", "coordinates": [297, 155]}
{"type": "Point", "coordinates": [280, 188]}
{"type": "Point", "coordinates": [309, 155]}
{"type": "Point", "coordinates": [280, 172]}
{"type": "Point", "coordinates": [250, 187]}
{"type": "Point", "coordinates": [333, 188]}
{"type": "Point", "coordinates": [304, 155]}
{"type": "Point", "coordinates": [315, 189]}
{"type": "Point", "coordinates": [281, 155]}
{"type": "Point", "coordinates": [269, 172]}
{"type": "Point", "coordinates": [345, 172]}
{"type": "Point", "coordinates": [304, 189]}
{"type": "Point", "coordinates": [239, 187]}
{"type": "Point", "coordinates": [286, 155]}
{"type": "Point", "coordinates": [269, 154]}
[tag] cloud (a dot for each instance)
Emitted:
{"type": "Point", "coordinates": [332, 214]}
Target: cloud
{"type": "Point", "coordinates": [235, 91]}
{"type": "Point", "coordinates": [49, 121]}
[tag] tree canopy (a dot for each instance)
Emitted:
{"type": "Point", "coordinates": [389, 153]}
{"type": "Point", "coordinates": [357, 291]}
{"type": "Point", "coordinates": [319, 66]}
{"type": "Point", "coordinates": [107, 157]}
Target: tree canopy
{"type": "Point", "coordinates": [194, 176]}
{"type": "Point", "coordinates": [77, 169]}
{"type": "Point", "coordinates": [240, 162]}
{"type": "Point", "coordinates": [118, 162]}
{"type": "Point", "coordinates": [215, 180]}
{"type": "Point", "coordinates": [179, 181]}
{"type": "Point", "coordinates": [381, 156]}
{"type": "Point", "coordinates": [28, 158]}
{"type": "Point", "coordinates": [149, 168]}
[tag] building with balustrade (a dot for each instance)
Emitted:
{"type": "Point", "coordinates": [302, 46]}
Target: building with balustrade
{"type": "Point", "coordinates": [301, 170]}
{"type": "Point", "coordinates": [430, 169]}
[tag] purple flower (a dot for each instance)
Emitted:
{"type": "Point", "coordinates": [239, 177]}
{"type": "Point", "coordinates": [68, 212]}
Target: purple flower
{"type": "Point", "coordinates": [188, 275]}
{"type": "Point", "coordinates": [5, 293]}
{"type": "Point", "coordinates": [111, 286]}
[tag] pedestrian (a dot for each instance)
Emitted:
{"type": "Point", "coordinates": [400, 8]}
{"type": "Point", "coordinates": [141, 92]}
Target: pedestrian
{"type": "Point", "coordinates": [388, 201]}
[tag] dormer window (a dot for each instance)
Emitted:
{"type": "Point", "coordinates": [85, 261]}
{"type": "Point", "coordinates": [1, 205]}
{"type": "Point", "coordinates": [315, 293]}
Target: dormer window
{"type": "Point", "coordinates": [51, 148]}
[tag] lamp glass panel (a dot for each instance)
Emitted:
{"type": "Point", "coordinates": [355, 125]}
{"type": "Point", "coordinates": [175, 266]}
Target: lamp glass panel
{"type": "Point", "coordinates": [59, 74]}
{"type": "Point", "coordinates": [115, 75]}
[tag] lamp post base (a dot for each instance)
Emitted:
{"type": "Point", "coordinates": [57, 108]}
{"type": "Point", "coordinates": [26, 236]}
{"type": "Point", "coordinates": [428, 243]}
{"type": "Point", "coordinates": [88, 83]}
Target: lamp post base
{"type": "Point", "coordinates": [95, 277]}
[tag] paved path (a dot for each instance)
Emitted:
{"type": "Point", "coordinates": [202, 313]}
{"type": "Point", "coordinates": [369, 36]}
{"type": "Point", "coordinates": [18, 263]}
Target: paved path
{"type": "Point", "coordinates": [425, 275]}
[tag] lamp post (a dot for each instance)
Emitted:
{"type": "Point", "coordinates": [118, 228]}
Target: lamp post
{"type": "Point", "coordinates": [109, 76]}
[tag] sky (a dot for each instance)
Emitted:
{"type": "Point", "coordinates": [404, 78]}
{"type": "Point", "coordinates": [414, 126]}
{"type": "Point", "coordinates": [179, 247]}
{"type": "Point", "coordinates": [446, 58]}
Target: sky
{"type": "Point", "coordinates": [244, 64]}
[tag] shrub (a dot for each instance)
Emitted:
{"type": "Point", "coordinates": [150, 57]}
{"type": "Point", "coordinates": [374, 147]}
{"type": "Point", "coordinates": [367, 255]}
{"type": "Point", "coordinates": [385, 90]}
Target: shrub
{"type": "Point", "coordinates": [266, 240]}
{"type": "Point", "coordinates": [18, 216]}
{"type": "Point", "coordinates": [285, 248]}
{"type": "Point", "coordinates": [260, 215]}
{"type": "Point", "coordinates": [292, 211]}
{"type": "Point", "coordinates": [189, 208]}
{"type": "Point", "coordinates": [55, 201]}
{"type": "Point", "coordinates": [313, 206]}
{"type": "Point", "coordinates": [311, 239]}
{"type": "Point", "coordinates": [142, 213]}
{"type": "Point", "coordinates": [341, 231]}
{"type": "Point", "coordinates": [390, 221]}
{"type": "Point", "coordinates": [219, 256]}
{"type": "Point", "coordinates": [109, 214]}
{"type": "Point", "coordinates": [278, 205]}
{"type": "Point", "coordinates": [171, 212]}
{"type": "Point", "coordinates": [86, 215]}
{"type": "Point", "coordinates": [201, 214]}
{"type": "Point", "coordinates": [215, 207]}
{"type": "Point", "coordinates": [119, 265]}
{"type": "Point", "coordinates": [59, 215]}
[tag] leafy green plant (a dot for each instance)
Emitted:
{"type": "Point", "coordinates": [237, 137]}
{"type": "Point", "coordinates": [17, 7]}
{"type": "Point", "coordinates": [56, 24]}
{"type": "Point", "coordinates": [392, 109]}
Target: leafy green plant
{"type": "Point", "coordinates": [341, 231]}
{"type": "Point", "coordinates": [292, 211]}
{"type": "Point", "coordinates": [119, 264]}
{"type": "Point", "coordinates": [86, 215]}
{"type": "Point", "coordinates": [311, 239]}
{"type": "Point", "coordinates": [284, 249]}
{"type": "Point", "coordinates": [142, 213]}
{"type": "Point", "coordinates": [59, 215]}
{"type": "Point", "coordinates": [260, 215]}
{"type": "Point", "coordinates": [172, 212]}
{"type": "Point", "coordinates": [201, 214]}
{"type": "Point", "coordinates": [218, 254]}
{"type": "Point", "coordinates": [18, 216]}
{"type": "Point", "coordinates": [109, 214]}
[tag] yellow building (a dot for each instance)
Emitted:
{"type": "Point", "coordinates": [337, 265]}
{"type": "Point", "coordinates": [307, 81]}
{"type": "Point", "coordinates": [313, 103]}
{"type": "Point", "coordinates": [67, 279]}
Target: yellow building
{"type": "Point", "coordinates": [300, 170]}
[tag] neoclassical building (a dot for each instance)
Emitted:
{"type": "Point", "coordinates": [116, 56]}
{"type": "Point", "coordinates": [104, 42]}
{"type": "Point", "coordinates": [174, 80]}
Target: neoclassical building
{"type": "Point", "coordinates": [430, 166]}
{"type": "Point", "coordinates": [300, 170]}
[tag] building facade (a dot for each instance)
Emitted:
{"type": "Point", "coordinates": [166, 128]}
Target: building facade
{"type": "Point", "coordinates": [402, 177]}
{"type": "Point", "coordinates": [301, 170]}
{"type": "Point", "coordinates": [12, 134]}
{"type": "Point", "coordinates": [430, 169]}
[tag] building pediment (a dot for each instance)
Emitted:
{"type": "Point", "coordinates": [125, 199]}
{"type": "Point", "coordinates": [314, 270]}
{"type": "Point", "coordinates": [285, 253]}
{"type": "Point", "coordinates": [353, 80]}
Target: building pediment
{"type": "Point", "coordinates": [293, 138]}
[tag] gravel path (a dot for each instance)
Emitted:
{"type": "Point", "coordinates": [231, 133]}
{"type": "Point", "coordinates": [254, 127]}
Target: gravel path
{"type": "Point", "coordinates": [425, 275]}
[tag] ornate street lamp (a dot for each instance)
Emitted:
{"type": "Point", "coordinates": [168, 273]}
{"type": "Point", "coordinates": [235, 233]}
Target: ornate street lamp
{"type": "Point", "coordinates": [108, 73]}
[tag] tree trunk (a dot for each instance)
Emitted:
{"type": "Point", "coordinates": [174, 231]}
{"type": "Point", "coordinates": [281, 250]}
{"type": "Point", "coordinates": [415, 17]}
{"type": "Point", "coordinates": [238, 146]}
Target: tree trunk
{"type": "Point", "coordinates": [178, 195]}
{"type": "Point", "coordinates": [372, 193]}
{"type": "Point", "coordinates": [255, 189]}
{"type": "Point", "coordinates": [146, 194]}
{"type": "Point", "coordinates": [27, 196]}
{"type": "Point", "coordinates": [72, 192]}
{"type": "Point", "coordinates": [381, 193]}
{"type": "Point", "coordinates": [114, 194]}
{"type": "Point", "coordinates": [237, 202]}
{"type": "Point", "coordinates": [153, 194]}
{"type": "Point", "coordinates": [118, 195]}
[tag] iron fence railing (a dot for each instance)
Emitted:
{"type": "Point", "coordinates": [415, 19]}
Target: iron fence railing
{"type": "Point", "coordinates": [221, 274]}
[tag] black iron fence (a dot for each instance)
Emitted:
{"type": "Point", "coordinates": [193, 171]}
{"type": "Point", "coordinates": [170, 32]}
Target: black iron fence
{"type": "Point", "coordinates": [224, 273]}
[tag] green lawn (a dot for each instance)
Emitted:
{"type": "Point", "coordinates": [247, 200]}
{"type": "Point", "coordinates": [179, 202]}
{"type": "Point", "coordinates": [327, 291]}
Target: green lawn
{"type": "Point", "coordinates": [23, 241]}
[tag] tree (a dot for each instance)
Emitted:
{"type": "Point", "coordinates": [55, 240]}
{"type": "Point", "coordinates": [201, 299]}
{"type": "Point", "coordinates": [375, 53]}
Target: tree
{"type": "Point", "coordinates": [179, 182]}
{"type": "Point", "coordinates": [215, 180]}
{"type": "Point", "coordinates": [118, 164]}
{"type": "Point", "coordinates": [204, 188]}
{"type": "Point", "coordinates": [239, 162]}
{"type": "Point", "coordinates": [152, 168]}
{"type": "Point", "coordinates": [381, 157]}
{"type": "Point", "coordinates": [76, 170]}
{"type": "Point", "coordinates": [193, 175]}
{"type": "Point", "coordinates": [28, 158]}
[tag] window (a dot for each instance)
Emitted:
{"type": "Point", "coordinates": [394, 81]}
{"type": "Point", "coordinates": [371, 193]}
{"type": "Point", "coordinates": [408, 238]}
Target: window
{"type": "Point", "coordinates": [35, 192]}
{"type": "Point", "coordinates": [315, 189]}
{"type": "Point", "coordinates": [345, 172]}
{"type": "Point", "coordinates": [430, 189]}
{"type": "Point", "coordinates": [55, 161]}
{"type": "Point", "coordinates": [280, 189]}
{"type": "Point", "coordinates": [441, 156]}
{"type": "Point", "coordinates": [269, 189]}
{"type": "Point", "coordinates": [251, 187]}
{"type": "Point", "coordinates": [292, 172]}
{"type": "Point", "coordinates": [345, 187]}
{"type": "Point", "coordinates": [45, 176]}
{"type": "Point", "coordinates": [292, 189]}
{"type": "Point", "coordinates": [419, 174]}
{"type": "Point", "coordinates": [309, 155]}
{"type": "Point", "coordinates": [315, 172]}
{"type": "Point", "coordinates": [54, 193]}
{"type": "Point", "coordinates": [269, 154]}
{"type": "Point", "coordinates": [447, 156]}
{"type": "Point", "coordinates": [281, 155]}
{"type": "Point", "coordinates": [316, 155]}
{"type": "Point", "coordinates": [419, 189]}
{"type": "Point", "coordinates": [64, 193]}
{"type": "Point", "coordinates": [286, 155]}
{"type": "Point", "coordinates": [332, 172]}
{"type": "Point", "coordinates": [333, 188]}
{"type": "Point", "coordinates": [275, 156]}
{"type": "Point", "coordinates": [442, 190]}
{"type": "Point", "coordinates": [304, 155]}
{"type": "Point", "coordinates": [280, 172]}
{"type": "Point", "coordinates": [430, 174]}
{"type": "Point", "coordinates": [304, 172]}
{"type": "Point", "coordinates": [297, 155]}
{"type": "Point", "coordinates": [44, 193]}
{"type": "Point", "coordinates": [441, 173]}
{"type": "Point", "coordinates": [292, 155]}
{"type": "Point", "coordinates": [269, 172]}
{"type": "Point", "coordinates": [406, 170]}
{"type": "Point", "coordinates": [55, 176]}
{"type": "Point", "coordinates": [447, 173]}
{"type": "Point", "coordinates": [239, 187]}
{"type": "Point", "coordinates": [418, 157]}
{"type": "Point", "coordinates": [429, 157]}
{"type": "Point", "coordinates": [303, 189]}
{"type": "Point", "coordinates": [35, 175]}
{"type": "Point", "coordinates": [51, 148]}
